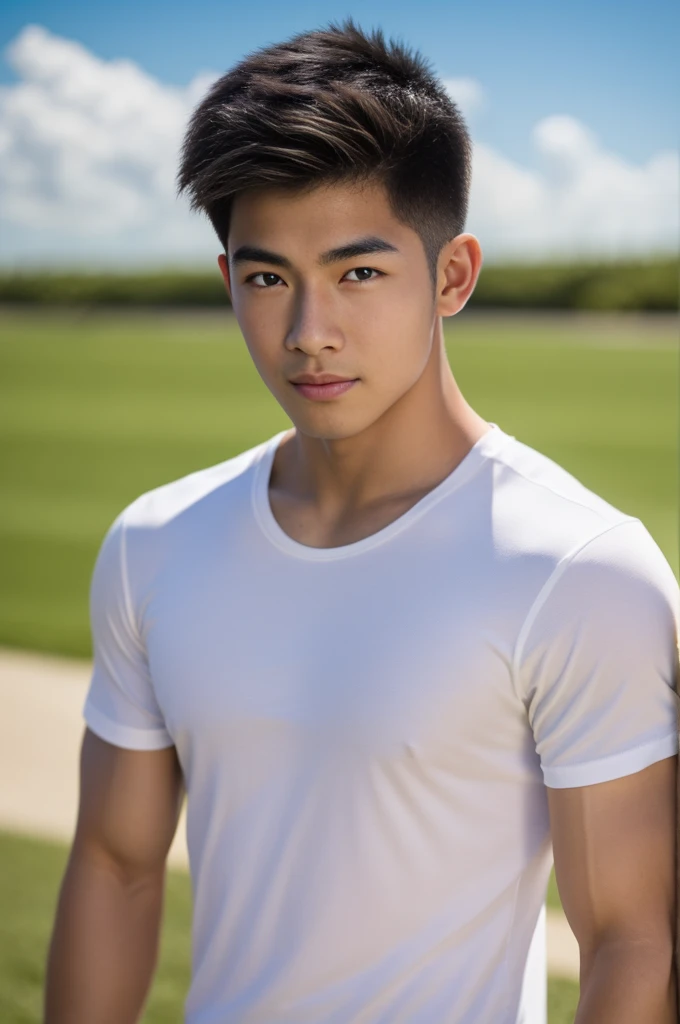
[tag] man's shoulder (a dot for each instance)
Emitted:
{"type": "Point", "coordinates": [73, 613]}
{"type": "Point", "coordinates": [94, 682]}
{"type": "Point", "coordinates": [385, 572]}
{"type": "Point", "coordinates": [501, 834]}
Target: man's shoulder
{"type": "Point", "coordinates": [565, 546]}
{"type": "Point", "coordinates": [188, 494]}
{"type": "Point", "coordinates": [541, 506]}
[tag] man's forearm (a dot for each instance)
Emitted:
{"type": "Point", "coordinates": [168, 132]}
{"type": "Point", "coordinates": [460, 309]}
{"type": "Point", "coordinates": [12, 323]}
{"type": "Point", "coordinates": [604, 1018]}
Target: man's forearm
{"type": "Point", "coordinates": [626, 983]}
{"type": "Point", "coordinates": [104, 945]}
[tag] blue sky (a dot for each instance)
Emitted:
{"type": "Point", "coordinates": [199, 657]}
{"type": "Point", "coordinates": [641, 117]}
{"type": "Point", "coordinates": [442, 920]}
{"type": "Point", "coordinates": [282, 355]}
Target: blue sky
{"type": "Point", "coordinates": [573, 112]}
{"type": "Point", "coordinates": [613, 64]}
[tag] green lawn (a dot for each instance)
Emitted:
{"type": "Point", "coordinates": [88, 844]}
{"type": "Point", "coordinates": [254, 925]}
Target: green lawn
{"type": "Point", "coordinates": [97, 407]}
{"type": "Point", "coordinates": [30, 875]}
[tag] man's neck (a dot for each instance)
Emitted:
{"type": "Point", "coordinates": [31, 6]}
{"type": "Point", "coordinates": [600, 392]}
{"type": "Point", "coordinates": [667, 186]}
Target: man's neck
{"type": "Point", "coordinates": [323, 492]}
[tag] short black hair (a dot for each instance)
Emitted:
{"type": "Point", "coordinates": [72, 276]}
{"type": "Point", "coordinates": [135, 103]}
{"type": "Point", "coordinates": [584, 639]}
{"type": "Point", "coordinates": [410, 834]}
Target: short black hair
{"type": "Point", "coordinates": [328, 106]}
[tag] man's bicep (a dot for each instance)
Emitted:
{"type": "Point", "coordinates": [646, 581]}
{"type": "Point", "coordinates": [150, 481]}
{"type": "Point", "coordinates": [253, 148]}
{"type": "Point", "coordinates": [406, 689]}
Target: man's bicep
{"type": "Point", "coordinates": [121, 705]}
{"type": "Point", "coordinates": [598, 664]}
{"type": "Point", "coordinates": [130, 801]}
{"type": "Point", "coordinates": [614, 849]}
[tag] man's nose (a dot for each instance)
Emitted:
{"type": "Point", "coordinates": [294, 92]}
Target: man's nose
{"type": "Point", "coordinates": [314, 325]}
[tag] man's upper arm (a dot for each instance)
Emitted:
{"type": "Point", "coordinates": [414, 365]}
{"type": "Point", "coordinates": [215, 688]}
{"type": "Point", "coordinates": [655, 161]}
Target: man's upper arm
{"type": "Point", "coordinates": [598, 669]}
{"type": "Point", "coordinates": [121, 705]}
{"type": "Point", "coordinates": [597, 661]}
{"type": "Point", "coordinates": [130, 801]}
{"type": "Point", "coordinates": [614, 848]}
{"type": "Point", "coordinates": [131, 783]}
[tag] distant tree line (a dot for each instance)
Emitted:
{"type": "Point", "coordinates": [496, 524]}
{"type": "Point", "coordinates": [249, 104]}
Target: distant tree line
{"type": "Point", "coordinates": [650, 285]}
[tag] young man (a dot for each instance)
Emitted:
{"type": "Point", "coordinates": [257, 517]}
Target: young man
{"type": "Point", "coordinates": [395, 656]}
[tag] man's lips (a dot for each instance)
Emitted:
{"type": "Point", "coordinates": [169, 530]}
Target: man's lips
{"type": "Point", "coordinates": [318, 378]}
{"type": "Point", "coordinates": [324, 386]}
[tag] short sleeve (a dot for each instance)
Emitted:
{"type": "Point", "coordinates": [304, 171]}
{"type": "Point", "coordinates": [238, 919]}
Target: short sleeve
{"type": "Point", "coordinates": [120, 706]}
{"type": "Point", "coordinates": [597, 660]}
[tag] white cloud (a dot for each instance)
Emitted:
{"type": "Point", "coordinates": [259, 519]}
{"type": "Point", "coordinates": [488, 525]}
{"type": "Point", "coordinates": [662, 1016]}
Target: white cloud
{"type": "Point", "coordinates": [89, 152]}
{"type": "Point", "coordinates": [584, 200]}
{"type": "Point", "coordinates": [467, 94]}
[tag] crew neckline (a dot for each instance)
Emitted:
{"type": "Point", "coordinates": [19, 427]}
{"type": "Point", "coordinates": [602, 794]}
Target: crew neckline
{"type": "Point", "coordinates": [486, 446]}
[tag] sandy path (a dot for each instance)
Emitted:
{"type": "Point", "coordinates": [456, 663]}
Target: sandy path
{"type": "Point", "coordinates": [41, 727]}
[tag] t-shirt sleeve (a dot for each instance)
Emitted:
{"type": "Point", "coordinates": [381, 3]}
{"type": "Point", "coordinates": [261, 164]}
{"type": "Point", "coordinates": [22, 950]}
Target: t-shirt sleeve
{"type": "Point", "coordinates": [120, 706]}
{"type": "Point", "coordinates": [597, 660]}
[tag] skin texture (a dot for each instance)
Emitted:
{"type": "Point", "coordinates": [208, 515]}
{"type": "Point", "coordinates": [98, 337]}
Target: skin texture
{"type": "Point", "coordinates": [348, 468]}
{"type": "Point", "coordinates": [105, 938]}
{"type": "Point", "coordinates": [614, 847]}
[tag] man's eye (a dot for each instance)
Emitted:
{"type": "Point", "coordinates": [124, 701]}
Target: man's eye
{"type": "Point", "coordinates": [362, 274]}
{"type": "Point", "coordinates": [267, 279]}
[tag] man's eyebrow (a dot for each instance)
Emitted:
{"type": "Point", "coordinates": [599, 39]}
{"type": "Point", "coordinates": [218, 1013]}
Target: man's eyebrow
{"type": "Point", "coordinates": [359, 247]}
{"type": "Point", "coordinates": [252, 254]}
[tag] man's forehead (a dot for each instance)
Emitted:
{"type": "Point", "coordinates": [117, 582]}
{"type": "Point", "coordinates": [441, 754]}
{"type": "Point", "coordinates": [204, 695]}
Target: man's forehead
{"type": "Point", "coordinates": [370, 193]}
{"type": "Point", "coordinates": [323, 225]}
{"type": "Point", "coordinates": [321, 218]}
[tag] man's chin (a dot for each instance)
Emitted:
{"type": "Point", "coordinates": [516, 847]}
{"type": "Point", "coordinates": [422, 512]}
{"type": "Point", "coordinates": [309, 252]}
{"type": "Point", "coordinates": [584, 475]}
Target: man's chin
{"type": "Point", "coordinates": [329, 425]}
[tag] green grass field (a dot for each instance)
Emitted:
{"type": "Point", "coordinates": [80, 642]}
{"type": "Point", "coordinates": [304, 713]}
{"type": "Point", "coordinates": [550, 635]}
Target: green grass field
{"type": "Point", "coordinates": [96, 408]}
{"type": "Point", "coordinates": [30, 876]}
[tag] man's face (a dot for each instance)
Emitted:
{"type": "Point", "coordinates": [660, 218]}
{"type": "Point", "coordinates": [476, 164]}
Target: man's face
{"type": "Point", "coordinates": [306, 307]}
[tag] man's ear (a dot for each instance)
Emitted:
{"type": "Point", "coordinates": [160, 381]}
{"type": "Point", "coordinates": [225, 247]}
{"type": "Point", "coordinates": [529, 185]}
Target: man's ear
{"type": "Point", "coordinates": [458, 267]}
{"type": "Point", "coordinates": [224, 269]}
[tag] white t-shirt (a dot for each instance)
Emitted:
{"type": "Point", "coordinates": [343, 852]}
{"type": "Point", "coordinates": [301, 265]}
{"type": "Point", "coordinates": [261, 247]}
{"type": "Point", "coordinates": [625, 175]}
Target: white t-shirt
{"type": "Point", "coordinates": [366, 731]}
